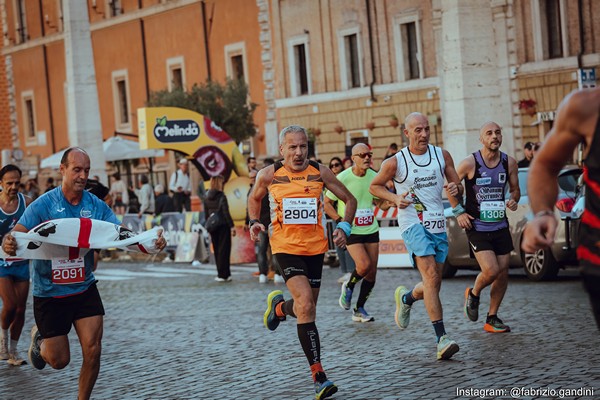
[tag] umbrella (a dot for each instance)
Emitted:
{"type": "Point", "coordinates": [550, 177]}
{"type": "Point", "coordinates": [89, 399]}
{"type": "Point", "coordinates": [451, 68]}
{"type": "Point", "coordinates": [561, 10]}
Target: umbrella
{"type": "Point", "coordinates": [115, 149]}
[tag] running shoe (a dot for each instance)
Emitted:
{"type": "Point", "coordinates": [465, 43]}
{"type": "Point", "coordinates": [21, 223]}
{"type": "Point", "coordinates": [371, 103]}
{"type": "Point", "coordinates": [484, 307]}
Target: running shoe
{"type": "Point", "coordinates": [402, 314]}
{"type": "Point", "coordinates": [325, 389]}
{"type": "Point", "coordinates": [344, 278]}
{"type": "Point", "coordinates": [361, 315]}
{"type": "Point", "coordinates": [219, 279]}
{"type": "Point", "coordinates": [4, 348]}
{"type": "Point", "coordinates": [262, 278]}
{"type": "Point", "coordinates": [345, 297]}
{"type": "Point", "coordinates": [35, 357]}
{"type": "Point", "coordinates": [446, 348]}
{"type": "Point", "coordinates": [471, 306]}
{"type": "Point", "coordinates": [15, 360]}
{"type": "Point", "coordinates": [495, 325]}
{"type": "Point", "coordinates": [270, 319]}
{"type": "Point", "coordinates": [278, 279]}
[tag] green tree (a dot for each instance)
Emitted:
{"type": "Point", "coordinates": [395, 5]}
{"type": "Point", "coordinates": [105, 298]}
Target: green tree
{"type": "Point", "coordinates": [227, 105]}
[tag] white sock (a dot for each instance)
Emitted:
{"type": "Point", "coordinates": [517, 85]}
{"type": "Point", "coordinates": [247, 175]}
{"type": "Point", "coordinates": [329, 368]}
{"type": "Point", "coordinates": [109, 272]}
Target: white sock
{"type": "Point", "coordinates": [13, 346]}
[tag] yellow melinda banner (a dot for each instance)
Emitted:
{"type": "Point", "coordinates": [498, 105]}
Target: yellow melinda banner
{"type": "Point", "coordinates": [212, 149]}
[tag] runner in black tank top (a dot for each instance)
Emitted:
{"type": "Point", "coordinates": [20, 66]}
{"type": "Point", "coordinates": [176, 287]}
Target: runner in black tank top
{"type": "Point", "coordinates": [577, 121]}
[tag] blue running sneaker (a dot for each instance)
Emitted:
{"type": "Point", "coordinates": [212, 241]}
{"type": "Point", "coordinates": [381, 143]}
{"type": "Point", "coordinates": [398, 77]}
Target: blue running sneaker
{"type": "Point", "coordinates": [271, 320]}
{"type": "Point", "coordinates": [35, 357]}
{"type": "Point", "coordinates": [345, 297]}
{"type": "Point", "coordinates": [361, 315]}
{"type": "Point", "coordinates": [325, 389]}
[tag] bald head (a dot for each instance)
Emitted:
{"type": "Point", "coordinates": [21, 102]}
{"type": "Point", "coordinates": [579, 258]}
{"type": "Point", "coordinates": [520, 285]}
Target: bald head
{"type": "Point", "coordinates": [415, 117]}
{"type": "Point", "coordinates": [487, 126]}
{"type": "Point", "coordinates": [360, 148]}
{"type": "Point", "coordinates": [490, 136]}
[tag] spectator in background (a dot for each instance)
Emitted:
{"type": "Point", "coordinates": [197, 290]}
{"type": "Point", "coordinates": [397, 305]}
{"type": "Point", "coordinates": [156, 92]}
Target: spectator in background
{"type": "Point", "coordinates": [391, 151]}
{"type": "Point", "coordinates": [146, 197]}
{"type": "Point", "coordinates": [536, 148]}
{"type": "Point", "coordinates": [216, 202]}
{"type": "Point", "coordinates": [49, 184]}
{"type": "Point", "coordinates": [181, 187]}
{"type": "Point", "coordinates": [528, 150]}
{"type": "Point", "coordinates": [120, 196]}
{"type": "Point", "coordinates": [346, 262]}
{"type": "Point", "coordinates": [347, 162]}
{"type": "Point", "coordinates": [251, 161]}
{"type": "Point", "coordinates": [31, 188]}
{"type": "Point", "coordinates": [162, 201]}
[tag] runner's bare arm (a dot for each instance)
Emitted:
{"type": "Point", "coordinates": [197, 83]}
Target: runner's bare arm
{"type": "Point", "coordinates": [465, 169]}
{"type": "Point", "coordinates": [453, 187]}
{"type": "Point", "coordinates": [341, 192]}
{"type": "Point", "coordinates": [378, 188]}
{"type": "Point", "coordinates": [330, 209]}
{"type": "Point", "coordinates": [259, 190]}
{"type": "Point", "coordinates": [513, 185]}
{"type": "Point", "coordinates": [9, 244]}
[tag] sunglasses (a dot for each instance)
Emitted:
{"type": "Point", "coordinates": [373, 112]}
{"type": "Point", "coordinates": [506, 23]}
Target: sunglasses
{"type": "Point", "coordinates": [335, 165]}
{"type": "Point", "coordinates": [363, 155]}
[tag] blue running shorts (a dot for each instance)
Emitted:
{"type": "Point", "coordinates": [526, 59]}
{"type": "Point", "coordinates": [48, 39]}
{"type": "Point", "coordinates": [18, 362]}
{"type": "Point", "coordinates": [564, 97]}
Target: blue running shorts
{"type": "Point", "coordinates": [420, 242]}
{"type": "Point", "coordinates": [17, 271]}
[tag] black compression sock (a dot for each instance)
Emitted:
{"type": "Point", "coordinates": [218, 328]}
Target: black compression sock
{"type": "Point", "coordinates": [354, 279]}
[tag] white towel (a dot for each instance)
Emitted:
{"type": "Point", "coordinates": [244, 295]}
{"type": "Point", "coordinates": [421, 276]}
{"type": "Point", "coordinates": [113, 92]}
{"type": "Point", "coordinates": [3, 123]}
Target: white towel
{"type": "Point", "coordinates": [70, 238]}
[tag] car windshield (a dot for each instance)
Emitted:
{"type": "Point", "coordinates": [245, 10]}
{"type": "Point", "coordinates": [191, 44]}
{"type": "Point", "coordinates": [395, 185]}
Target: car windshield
{"type": "Point", "coordinates": [567, 181]}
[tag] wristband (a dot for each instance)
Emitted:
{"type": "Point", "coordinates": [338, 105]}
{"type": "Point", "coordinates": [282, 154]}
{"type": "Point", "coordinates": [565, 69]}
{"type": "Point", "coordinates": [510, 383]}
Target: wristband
{"type": "Point", "coordinates": [345, 227]}
{"type": "Point", "coordinates": [458, 210]}
{"type": "Point", "coordinates": [543, 213]}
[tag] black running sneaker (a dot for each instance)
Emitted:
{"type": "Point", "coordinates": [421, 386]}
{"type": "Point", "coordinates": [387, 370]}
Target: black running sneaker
{"type": "Point", "coordinates": [471, 305]}
{"type": "Point", "coordinates": [35, 357]}
{"type": "Point", "coordinates": [495, 325]}
{"type": "Point", "coordinates": [271, 320]}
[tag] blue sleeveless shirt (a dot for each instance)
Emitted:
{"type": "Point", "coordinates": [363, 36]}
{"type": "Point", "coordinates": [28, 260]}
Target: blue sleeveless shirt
{"type": "Point", "coordinates": [485, 194]}
{"type": "Point", "coordinates": [8, 222]}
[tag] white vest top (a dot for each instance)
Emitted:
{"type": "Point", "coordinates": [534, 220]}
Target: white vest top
{"type": "Point", "coordinates": [423, 177]}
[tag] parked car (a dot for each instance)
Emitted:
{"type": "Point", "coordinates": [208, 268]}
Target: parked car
{"type": "Point", "coordinates": [543, 264]}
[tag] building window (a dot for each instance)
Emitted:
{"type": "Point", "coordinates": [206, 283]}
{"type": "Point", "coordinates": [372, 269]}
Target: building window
{"type": "Point", "coordinates": [114, 7]}
{"type": "Point", "coordinates": [554, 43]}
{"type": "Point", "coordinates": [549, 29]}
{"type": "Point", "coordinates": [407, 43]}
{"type": "Point", "coordinates": [121, 100]}
{"type": "Point", "coordinates": [235, 61]}
{"type": "Point", "coordinates": [175, 73]}
{"type": "Point", "coordinates": [351, 73]}
{"type": "Point", "coordinates": [21, 22]}
{"type": "Point", "coordinates": [299, 66]}
{"type": "Point", "coordinates": [29, 127]}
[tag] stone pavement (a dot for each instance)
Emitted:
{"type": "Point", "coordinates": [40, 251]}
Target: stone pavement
{"type": "Point", "coordinates": [171, 332]}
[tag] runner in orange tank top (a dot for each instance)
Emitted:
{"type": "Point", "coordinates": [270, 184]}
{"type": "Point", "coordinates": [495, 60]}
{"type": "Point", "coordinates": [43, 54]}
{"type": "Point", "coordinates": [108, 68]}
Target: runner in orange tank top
{"type": "Point", "coordinates": [299, 239]}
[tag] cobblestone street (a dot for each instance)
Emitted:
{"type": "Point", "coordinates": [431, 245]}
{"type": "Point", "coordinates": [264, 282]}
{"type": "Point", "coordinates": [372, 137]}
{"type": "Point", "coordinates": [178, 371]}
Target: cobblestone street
{"type": "Point", "coordinates": [171, 332]}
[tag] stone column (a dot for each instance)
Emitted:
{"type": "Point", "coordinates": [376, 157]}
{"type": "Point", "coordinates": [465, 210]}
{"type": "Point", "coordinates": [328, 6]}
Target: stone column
{"type": "Point", "coordinates": [83, 111]}
{"type": "Point", "coordinates": [474, 73]}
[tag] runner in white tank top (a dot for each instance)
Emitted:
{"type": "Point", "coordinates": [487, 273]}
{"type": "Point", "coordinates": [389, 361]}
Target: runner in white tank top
{"type": "Point", "coordinates": [418, 172]}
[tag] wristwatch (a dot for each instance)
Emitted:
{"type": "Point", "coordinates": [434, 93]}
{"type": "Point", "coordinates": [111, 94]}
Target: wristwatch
{"type": "Point", "coordinates": [252, 222]}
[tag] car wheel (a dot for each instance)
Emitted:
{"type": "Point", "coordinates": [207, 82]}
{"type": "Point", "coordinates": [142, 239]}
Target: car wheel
{"type": "Point", "coordinates": [540, 265]}
{"type": "Point", "coordinates": [448, 271]}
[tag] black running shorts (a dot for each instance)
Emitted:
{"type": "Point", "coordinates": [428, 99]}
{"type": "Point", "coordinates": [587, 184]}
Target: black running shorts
{"type": "Point", "coordinates": [55, 315]}
{"type": "Point", "coordinates": [500, 241]}
{"type": "Point", "coordinates": [290, 265]}
{"type": "Point", "coordinates": [370, 238]}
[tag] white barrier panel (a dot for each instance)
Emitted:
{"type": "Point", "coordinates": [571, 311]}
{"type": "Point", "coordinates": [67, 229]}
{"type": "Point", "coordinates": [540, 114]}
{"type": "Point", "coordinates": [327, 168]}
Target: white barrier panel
{"type": "Point", "coordinates": [392, 251]}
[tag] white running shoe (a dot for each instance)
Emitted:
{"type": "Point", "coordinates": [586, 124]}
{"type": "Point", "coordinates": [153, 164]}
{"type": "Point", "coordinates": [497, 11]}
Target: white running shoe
{"type": "Point", "coordinates": [344, 278]}
{"type": "Point", "coordinates": [15, 360]}
{"type": "Point", "coordinates": [446, 348]}
{"type": "Point", "coordinates": [278, 279]}
{"type": "Point", "coordinates": [262, 278]}
{"type": "Point", "coordinates": [4, 348]}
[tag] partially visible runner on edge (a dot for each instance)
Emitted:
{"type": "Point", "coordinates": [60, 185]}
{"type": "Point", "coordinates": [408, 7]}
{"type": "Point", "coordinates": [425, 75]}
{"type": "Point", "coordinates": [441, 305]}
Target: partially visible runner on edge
{"type": "Point", "coordinates": [363, 243]}
{"type": "Point", "coordinates": [14, 277]}
{"type": "Point", "coordinates": [59, 303]}
{"type": "Point", "coordinates": [418, 172]}
{"type": "Point", "coordinates": [486, 173]}
{"type": "Point", "coordinates": [577, 121]}
{"type": "Point", "coordinates": [299, 239]}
